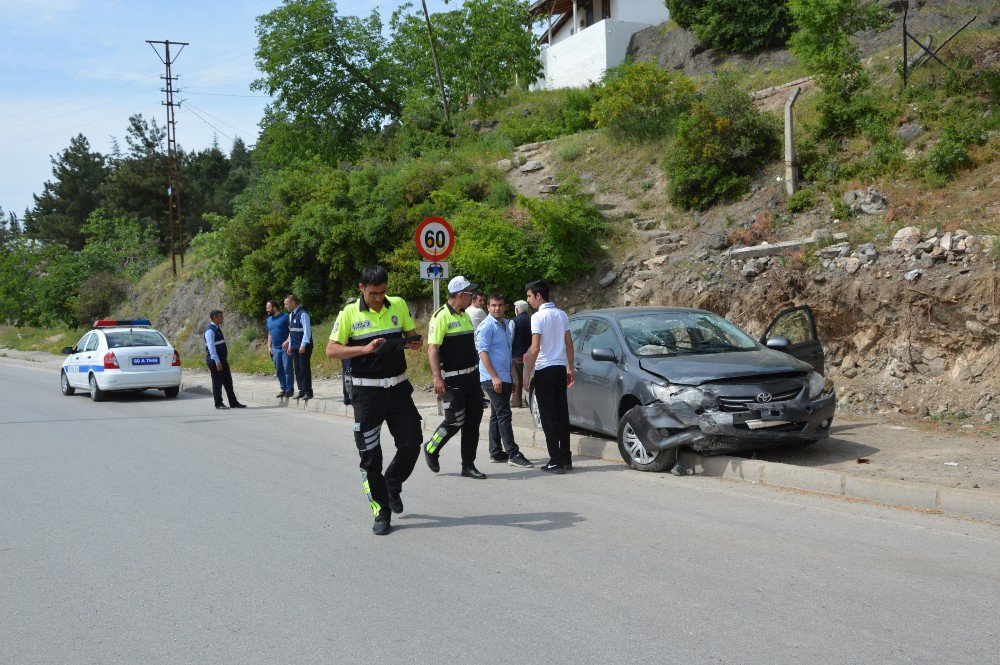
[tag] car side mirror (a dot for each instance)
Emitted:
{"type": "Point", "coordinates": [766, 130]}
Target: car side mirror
{"type": "Point", "coordinates": [779, 344]}
{"type": "Point", "coordinates": [68, 350]}
{"type": "Point", "coordinates": [604, 355]}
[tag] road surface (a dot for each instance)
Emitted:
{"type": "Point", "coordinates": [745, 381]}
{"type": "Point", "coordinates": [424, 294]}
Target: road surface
{"type": "Point", "coordinates": [148, 530]}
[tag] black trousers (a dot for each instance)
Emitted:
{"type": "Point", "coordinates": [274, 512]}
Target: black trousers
{"type": "Point", "coordinates": [463, 412]}
{"type": "Point", "coordinates": [393, 406]}
{"type": "Point", "coordinates": [501, 429]}
{"type": "Point", "coordinates": [222, 378]}
{"type": "Point", "coordinates": [553, 407]}
{"type": "Point", "coordinates": [303, 369]}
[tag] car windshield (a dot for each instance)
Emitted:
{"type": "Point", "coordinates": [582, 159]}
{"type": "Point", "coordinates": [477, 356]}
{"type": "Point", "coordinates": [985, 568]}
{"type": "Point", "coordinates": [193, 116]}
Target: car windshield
{"type": "Point", "coordinates": [683, 333]}
{"type": "Point", "coordinates": [118, 340]}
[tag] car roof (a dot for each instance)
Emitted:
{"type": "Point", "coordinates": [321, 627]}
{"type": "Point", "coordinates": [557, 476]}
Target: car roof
{"type": "Point", "coordinates": [618, 312]}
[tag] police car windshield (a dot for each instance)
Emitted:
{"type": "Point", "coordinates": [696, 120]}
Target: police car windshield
{"type": "Point", "coordinates": [117, 340]}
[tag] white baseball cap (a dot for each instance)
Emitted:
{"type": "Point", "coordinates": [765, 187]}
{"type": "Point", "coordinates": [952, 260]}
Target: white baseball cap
{"type": "Point", "coordinates": [460, 284]}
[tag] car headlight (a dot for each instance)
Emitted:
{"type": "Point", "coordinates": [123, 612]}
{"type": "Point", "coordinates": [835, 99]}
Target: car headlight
{"type": "Point", "coordinates": [816, 384]}
{"type": "Point", "coordinates": [696, 399]}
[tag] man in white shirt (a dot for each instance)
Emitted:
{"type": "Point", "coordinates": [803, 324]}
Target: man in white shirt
{"type": "Point", "coordinates": [551, 358]}
{"type": "Point", "coordinates": [475, 311]}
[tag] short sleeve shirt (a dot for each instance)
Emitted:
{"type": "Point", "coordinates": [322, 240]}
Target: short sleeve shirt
{"type": "Point", "coordinates": [552, 324]}
{"type": "Point", "coordinates": [357, 325]}
{"type": "Point", "coordinates": [453, 332]}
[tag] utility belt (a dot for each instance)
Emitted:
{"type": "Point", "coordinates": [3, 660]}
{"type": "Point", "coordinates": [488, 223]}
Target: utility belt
{"type": "Point", "coordinates": [460, 372]}
{"type": "Point", "coordinates": [378, 383]}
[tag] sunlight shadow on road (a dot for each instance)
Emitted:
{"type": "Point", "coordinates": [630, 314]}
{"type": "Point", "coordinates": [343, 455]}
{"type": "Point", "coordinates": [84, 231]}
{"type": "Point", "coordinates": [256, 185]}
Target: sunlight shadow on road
{"type": "Point", "coordinates": [531, 521]}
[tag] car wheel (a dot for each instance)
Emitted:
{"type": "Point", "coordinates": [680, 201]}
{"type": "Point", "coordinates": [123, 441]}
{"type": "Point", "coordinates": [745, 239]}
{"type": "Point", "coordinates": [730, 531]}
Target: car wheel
{"type": "Point", "coordinates": [637, 456]}
{"type": "Point", "coordinates": [171, 392]}
{"type": "Point", "coordinates": [536, 416]}
{"type": "Point", "coordinates": [67, 389]}
{"type": "Point", "coordinates": [96, 393]}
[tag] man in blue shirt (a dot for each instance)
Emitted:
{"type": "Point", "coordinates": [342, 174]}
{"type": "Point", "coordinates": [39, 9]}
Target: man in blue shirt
{"type": "Point", "coordinates": [277, 333]}
{"type": "Point", "coordinates": [300, 345]}
{"type": "Point", "coordinates": [217, 359]}
{"type": "Point", "coordinates": [493, 339]}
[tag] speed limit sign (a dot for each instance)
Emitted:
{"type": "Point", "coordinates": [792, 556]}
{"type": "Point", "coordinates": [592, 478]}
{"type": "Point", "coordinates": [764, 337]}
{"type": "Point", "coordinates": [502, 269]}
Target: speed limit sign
{"type": "Point", "coordinates": [435, 239]}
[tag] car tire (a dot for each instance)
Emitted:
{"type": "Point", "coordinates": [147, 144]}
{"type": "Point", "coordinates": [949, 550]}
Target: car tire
{"type": "Point", "coordinates": [635, 454]}
{"type": "Point", "coordinates": [171, 392]}
{"type": "Point", "coordinates": [96, 393]}
{"type": "Point", "coordinates": [536, 416]}
{"type": "Point", "coordinates": [67, 389]}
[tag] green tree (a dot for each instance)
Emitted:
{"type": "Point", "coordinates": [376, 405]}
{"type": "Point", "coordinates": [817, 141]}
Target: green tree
{"type": "Point", "coordinates": [734, 25]}
{"type": "Point", "coordinates": [137, 184]}
{"type": "Point", "coordinates": [823, 45]}
{"type": "Point", "coordinates": [62, 208]}
{"type": "Point", "coordinates": [331, 75]}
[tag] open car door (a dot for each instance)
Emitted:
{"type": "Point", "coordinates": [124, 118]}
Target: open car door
{"type": "Point", "coordinates": [798, 326]}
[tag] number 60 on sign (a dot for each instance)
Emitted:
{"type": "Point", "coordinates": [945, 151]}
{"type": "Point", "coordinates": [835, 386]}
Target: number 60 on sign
{"type": "Point", "coordinates": [435, 239]}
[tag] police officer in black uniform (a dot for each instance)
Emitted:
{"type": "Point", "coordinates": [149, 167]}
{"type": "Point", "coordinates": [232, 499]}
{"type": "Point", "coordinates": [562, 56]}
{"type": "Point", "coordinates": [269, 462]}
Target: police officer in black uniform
{"type": "Point", "coordinates": [381, 391]}
{"type": "Point", "coordinates": [217, 359]}
{"type": "Point", "coordinates": [300, 345]}
{"type": "Point", "coordinates": [451, 347]}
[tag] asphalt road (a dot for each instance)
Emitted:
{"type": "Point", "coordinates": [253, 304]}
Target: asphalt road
{"type": "Point", "coordinates": [147, 530]}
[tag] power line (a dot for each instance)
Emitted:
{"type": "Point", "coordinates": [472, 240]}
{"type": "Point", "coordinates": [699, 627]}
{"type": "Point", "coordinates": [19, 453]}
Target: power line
{"type": "Point", "coordinates": [190, 105]}
{"type": "Point", "coordinates": [74, 112]}
{"type": "Point", "coordinates": [70, 129]}
{"type": "Point", "coordinates": [190, 110]}
{"type": "Point", "coordinates": [223, 94]}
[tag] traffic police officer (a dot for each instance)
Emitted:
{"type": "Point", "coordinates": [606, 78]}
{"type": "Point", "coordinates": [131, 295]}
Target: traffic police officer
{"type": "Point", "coordinates": [300, 346]}
{"type": "Point", "coordinates": [217, 359]}
{"type": "Point", "coordinates": [451, 347]}
{"type": "Point", "coordinates": [381, 391]}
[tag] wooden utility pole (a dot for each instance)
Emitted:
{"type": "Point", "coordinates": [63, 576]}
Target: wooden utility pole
{"type": "Point", "coordinates": [174, 218]}
{"type": "Point", "coordinates": [437, 64]}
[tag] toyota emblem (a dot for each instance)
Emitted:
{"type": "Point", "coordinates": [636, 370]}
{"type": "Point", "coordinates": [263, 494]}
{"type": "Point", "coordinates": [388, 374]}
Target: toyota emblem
{"type": "Point", "coordinates": [764, 398]}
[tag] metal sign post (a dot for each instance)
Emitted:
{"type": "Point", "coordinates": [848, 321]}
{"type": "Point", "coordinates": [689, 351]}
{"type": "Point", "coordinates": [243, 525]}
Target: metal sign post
{"type": "Point", "coordinates": [435, 271]}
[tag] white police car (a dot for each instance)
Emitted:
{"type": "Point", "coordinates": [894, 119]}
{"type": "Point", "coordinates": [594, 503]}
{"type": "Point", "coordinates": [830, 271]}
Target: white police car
{"type": "Point", "coordinates": [121, 355]}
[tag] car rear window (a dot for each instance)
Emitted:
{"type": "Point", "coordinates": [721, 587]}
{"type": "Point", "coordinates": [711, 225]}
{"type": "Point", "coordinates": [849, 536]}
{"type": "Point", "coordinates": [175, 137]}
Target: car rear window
{"type": "Point", "coordinates": [683, 333]}
{"type": "Point", "coordinates": [118, 340]}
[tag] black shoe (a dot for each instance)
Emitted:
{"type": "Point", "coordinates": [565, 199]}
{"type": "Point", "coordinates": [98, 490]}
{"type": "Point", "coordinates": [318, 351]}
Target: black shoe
{"type": "Point", "coordinates": [472, 472]}
{"type": "Point", "coordinates": [238, 405]}
{"type": "Point", "coordinates": [395, 502]}
{"type": "Point", "coordinates": [281, 394]}
{"type": "Point", "coordinates": [432, 460]}
{"type": "Point", "coordinates": [519, 460]}
{"type": "Point", "coordinates": [300, 396]}
{"type": "Point", "coordinates": [289, 393]}
{"type": "Point", "coordinates": [568, 466]}
{"type": "Point", "coordinates": [382, 526]}
{"type": "Point", "coordinates": [553, 468]}
{"type": "Point", "coordinates": [500, 458]}
{"type": "Point", "coordinates": [221, 406]}
{"type": "Point", "coordinates": [308, 396]}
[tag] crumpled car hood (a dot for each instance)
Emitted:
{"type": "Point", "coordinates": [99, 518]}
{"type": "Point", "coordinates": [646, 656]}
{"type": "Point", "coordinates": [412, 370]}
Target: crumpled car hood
{"type": "Point", "coordinates": [698, 369]}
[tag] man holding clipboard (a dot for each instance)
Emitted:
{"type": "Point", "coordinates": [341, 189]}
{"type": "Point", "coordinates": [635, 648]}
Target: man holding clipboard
{"type": "Point", "coordinates": [372, 333]}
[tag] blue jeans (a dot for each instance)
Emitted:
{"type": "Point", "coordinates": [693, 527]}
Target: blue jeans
{"type": "Point", "coordinates": [283, 368]}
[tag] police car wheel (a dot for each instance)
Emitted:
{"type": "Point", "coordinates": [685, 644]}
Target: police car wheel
{"type": "Point", "coordinates": [171, 392]}
{"type": "Point", "coordinates": [67, 389]}
{"type": "Point", "coordinates": [96, 393]}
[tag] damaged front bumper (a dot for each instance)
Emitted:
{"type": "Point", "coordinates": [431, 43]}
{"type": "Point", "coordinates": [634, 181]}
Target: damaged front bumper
{"type": "Point", "coordinates": [712, 430]}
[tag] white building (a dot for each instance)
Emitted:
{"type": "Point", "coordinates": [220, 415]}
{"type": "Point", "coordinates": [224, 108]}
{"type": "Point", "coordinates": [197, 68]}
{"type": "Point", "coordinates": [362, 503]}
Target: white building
{"type": "Point", "coordinates": [583, 38]}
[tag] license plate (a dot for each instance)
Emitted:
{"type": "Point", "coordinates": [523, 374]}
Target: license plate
{"type": "Point", "coordinates": [145, 361]}
{"type": "Point", "coordinates": [762, 424]}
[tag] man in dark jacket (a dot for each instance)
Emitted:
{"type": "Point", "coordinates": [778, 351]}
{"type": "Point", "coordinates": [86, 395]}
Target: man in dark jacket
{"type": "Point", "coordinates": [519, 345]}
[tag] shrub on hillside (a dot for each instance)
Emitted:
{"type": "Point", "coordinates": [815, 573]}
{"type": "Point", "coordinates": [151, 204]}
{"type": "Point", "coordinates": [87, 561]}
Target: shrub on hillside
{"type": "Point", "coordinates": [734, 25]}
{"type": "Point", "coordinates": [802, 200]}
{"type": "Point", "coordinates": [639, 101]}
{"type": "Point", "coordinates": [576, 109]}
{"type": "Point", "coordinates": [98, 296]}
{"type": "Point", "coordinates": [719, 145]}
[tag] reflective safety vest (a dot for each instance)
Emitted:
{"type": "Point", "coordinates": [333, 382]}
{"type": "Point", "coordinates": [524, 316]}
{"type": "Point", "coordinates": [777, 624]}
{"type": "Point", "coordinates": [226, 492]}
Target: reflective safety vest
{"type": "Point", "coordinates": [357, 325]}
{"type": "Point", "coordinates": [453, 332]}
{"type": "Point", "coordinates": [295, 329]}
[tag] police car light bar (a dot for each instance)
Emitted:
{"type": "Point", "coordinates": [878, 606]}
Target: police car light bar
{"type": "Point", "coordinates": [111, 323]}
